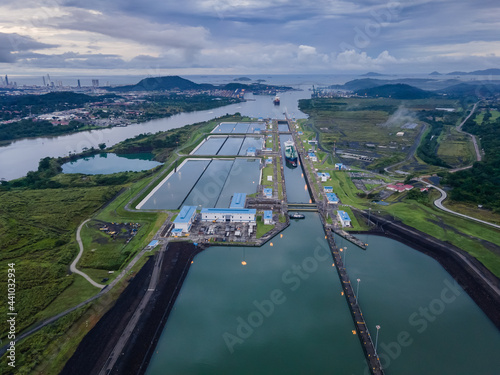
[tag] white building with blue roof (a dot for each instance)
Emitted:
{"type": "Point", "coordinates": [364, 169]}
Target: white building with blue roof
{"type": "Point", "coordinates": [328, 189]}
{"type": "Point", "coordinates": [184, 220]}
{"type": "Point", "coordinates": [344, 218]}
{"type": "Point", "coordinates": [332, 198]}
{"type": "Point", "coordinates": [229, 215]}
{"type": "Point", "coordinates": [268, 192]}
{"type": "Point", "coordinates": [268, 217]}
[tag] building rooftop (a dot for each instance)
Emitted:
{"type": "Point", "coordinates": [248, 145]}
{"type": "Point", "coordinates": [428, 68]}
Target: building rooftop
{"type": "Point", "coordinates": [344, 216]}
{"type": "Point", "coordinates": [229, 210]}
{"type": "Point", "coordinates": [186, 214]}
{"type": "Point", "coordinates": [153, 243]}
{"type": "Point", "coordinates": [238, 200]}
{"type": "Point", "coordinates": [328, 188]}
{"type": "Point", "coordinates": [268, 215]}
{"type": "Point", "coordinates": [332, 197]}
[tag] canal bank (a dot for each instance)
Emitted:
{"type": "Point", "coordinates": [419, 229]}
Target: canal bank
{"type": "Point", "coordinates": [481, 285]}
{"type": "Point", "coordinates": [94, 351]}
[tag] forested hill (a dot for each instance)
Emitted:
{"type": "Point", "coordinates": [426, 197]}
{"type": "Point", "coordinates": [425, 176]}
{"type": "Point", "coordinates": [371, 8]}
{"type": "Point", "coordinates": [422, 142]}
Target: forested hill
{"type": "Point", "coordinates": [481, 183]}
{"type": "Point", "coordinates": [396, 91]}
{"type": "Point", "coordinates": [163, 83]}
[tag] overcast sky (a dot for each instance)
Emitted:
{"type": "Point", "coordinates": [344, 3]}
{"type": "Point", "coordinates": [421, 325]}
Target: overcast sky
{"type": "Point", "coordinates": [156, 37]}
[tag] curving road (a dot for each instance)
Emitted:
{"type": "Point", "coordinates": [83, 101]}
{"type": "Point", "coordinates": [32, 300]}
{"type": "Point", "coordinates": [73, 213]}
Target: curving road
{"type": "Point", "coordinates": [73, 268]}
{"type": "Point", "coordinates": [473, 137]}
{"type": "Point", "coordinates": [439, 204]}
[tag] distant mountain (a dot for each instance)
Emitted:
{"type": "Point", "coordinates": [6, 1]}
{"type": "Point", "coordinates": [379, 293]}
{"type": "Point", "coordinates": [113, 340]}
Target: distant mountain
{"type": "Point", "coordinates": [475, 89]}
{"type": "Point", "coordinates": [373, 74]}
{"type": "Point", "coordinates": [242, 79]}
{"type": "Point", "coordinates": [434, 73]}
{"type": "Point", "coordinates": [486, 72]}
{"type": "Point", "coordinates": [367, 83]}
{"type": "Point", "coordinates": [396, 91]}
{"type": "Point", "coordinates": [163, 83]}
{"type": "Point", "coordinates": [178, 83]}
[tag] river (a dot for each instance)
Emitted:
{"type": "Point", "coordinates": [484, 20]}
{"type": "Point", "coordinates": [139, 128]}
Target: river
{"type": "Point", "coordinates": [23, 156]}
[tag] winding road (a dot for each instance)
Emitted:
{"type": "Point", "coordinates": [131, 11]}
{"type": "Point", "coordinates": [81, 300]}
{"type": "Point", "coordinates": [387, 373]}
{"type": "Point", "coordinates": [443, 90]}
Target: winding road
{"type": "Point", "coordinates": [439, 204]}
{"type": "Point", "coordinates": [73, 268]}
{"type": "Point", "coordinates": [473, 137]}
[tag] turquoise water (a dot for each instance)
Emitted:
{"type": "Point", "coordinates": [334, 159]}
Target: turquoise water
{"type": "Point", "coordinates": [308, 330]}
{"type": "Point", "coordinates": [418, 304]}
{"type": "Point", "coordinates": [107, 163]}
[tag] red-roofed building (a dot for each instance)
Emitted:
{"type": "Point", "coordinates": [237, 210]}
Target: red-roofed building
{"type": "Point", "coordinates": [399, 187]}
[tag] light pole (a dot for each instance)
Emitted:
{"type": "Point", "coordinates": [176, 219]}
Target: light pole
{"type": "Point", "coordinates": [376, 340]}
{"type": "Point", "coordinates": [357, 291]}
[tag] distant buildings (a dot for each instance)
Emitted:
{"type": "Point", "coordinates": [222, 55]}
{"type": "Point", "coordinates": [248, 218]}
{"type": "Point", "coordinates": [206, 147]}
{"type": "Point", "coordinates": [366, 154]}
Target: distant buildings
{"type": "Point", "coordinates": [328, 189]}
{"type": "Point", "coordinates": [312, 156]}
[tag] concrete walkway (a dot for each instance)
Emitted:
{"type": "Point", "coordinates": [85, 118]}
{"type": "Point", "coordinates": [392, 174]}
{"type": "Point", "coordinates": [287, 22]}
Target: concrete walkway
{"type": "Point", "coordinates": [73, 268]}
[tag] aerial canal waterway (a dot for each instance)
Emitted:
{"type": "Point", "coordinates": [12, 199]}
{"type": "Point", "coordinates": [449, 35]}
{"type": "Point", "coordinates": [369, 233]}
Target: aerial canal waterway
{"type": "Point", "coordinates": [429, 324]}
{"type": "Point", "coordinates": [295, 183]}
{"type": "Point", "coordinates": [222, 323]}
{"type": "Point", "coordinates": [23, 156]}
{"type": "Point", "coordinates": [107, 163]}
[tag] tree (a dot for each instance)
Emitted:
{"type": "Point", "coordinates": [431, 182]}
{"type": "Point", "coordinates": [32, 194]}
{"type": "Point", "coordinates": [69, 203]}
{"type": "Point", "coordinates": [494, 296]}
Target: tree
{"type": "Point", "coordinates": [102, 146]}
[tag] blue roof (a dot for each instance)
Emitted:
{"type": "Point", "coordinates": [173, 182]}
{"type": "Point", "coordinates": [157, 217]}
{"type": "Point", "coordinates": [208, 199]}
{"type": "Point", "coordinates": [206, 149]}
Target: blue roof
{"type": "Point", "coordinates": [344, 216]}
{"type": "Point", "coordinates": [311, 154]}
{"type": "Point", "coordinates": [229, 211]}
{"type": "Point", "coordinates": [328, 188]}
{"type": "Point", "coordinates": [238, 200]}
{"type": "Point", "coordinates": [332, 197]}
{"type": "Point", "coordinates": [268, 191]}
{"type": "Point", "coordinates": [268, 215]}
{"type": "Point", "coordinates": [251, 149]}
{"type": "Point", "coordinates": [153, 243]}
{"type": "Point", "coordinates": [185, 215]}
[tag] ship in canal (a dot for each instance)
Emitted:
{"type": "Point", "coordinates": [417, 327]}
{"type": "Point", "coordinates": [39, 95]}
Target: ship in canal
{"type": "Point", "coordinates": [296, 215]}
{"type": "Point", "coordinates": [290, 153]}
{"type": "Point", "coordinates": [276, 100]}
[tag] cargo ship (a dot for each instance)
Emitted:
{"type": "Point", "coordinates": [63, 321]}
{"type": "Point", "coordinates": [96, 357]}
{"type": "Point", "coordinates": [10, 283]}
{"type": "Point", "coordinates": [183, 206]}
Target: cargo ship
{"type": "Point", "coordinates": [290, 153]}
{"type": "Point", "coordinates": [296, 215]}
{"type": "Point", "coordinates": [276, 100]}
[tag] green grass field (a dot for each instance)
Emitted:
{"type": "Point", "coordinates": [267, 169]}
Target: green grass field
{"type": "Point", "coordinates": [456, 149]}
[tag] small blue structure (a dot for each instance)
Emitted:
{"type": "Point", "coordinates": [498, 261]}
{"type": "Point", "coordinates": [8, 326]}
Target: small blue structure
{"type": "Point", "coordinates": [257, 131]}
{"type": "Point", "coordinates": [323, 176]}
{"type": "Point", "coordinates": [332, 198]}
{"type": "Point", "coordinates": [269, 161]}
{"type": "Point", "coordinates": [268, 192]}
{"type": "Point", "coordinates": [300, 132]}
{"type": "Point", "coordinates": [268, 217]}
{"type": "Point", "coordinates": [328, 189]}
{"type": "Point", "coordinates": [312, 156]}
{"type": "Point", "coordinates": [251, 151]}
{"type": "Point", "coordinates": [152, 244]}
{"type": "Point", "coordinates": [339, 166]}
{"type": "Point", "coordinates": [238, 200]}
{"type": "Point", "coordinates": [344, 218]}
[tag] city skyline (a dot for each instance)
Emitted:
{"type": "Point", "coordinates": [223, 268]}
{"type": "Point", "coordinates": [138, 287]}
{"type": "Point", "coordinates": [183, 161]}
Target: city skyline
{"type": "Point", "coordinates": [222, 37]}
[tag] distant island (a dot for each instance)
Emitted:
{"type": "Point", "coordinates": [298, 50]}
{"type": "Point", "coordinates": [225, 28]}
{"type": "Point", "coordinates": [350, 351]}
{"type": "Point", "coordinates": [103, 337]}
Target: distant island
{"type": "Point", "coordinates": [373, 74]}
{"type": "Point", "coordinates": [242, 79]}
{"type": "Point", "coordinates": [486, 72]}
{"type": "Point", "coordinates": [434, 73]}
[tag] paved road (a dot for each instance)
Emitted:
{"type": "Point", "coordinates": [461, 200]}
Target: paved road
{"type": "Point", "coordinates": [473, 137]}
{"type": "Point", "coordinates": [73, 268]}
{"type": "Point", "coordinates": [439, 204]}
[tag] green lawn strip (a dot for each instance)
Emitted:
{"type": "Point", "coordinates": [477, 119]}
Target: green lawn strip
{"type": "Point", "coordinates": [456, 230]}
{"type": "Point", "coordinates": [261, 227]}
{"type": "Point", "coordinates": [267, 171]}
